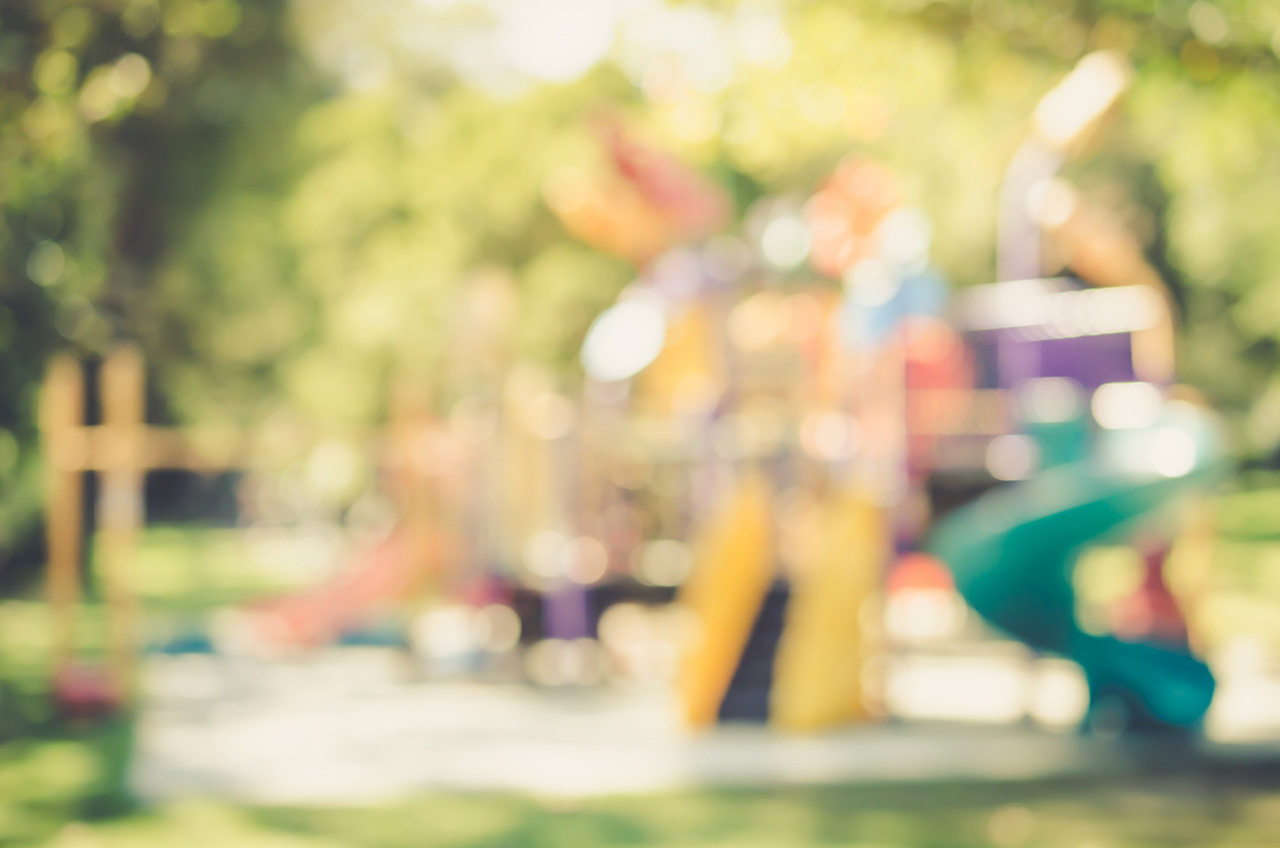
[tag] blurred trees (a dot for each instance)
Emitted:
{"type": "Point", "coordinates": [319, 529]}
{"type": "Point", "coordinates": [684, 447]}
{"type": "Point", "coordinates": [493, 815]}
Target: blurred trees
{"type": "Point", "coordinates": [288, 204]}
{"type": "Point", "coordinates": [430, 158]}
{"type": "Point", "coordinates": [119, 122]}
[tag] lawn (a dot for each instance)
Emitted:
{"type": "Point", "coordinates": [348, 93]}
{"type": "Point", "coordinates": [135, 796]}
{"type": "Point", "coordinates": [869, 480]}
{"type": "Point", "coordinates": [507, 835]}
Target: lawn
{"type": "Point", "coordinates": [63, 786]}
{"type": "Point", "coordinates": [64, 792]}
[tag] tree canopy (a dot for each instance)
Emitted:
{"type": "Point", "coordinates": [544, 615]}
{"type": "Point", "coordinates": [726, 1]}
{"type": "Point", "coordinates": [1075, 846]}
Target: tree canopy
{"type": "Point", "coordinates": [286, 203]}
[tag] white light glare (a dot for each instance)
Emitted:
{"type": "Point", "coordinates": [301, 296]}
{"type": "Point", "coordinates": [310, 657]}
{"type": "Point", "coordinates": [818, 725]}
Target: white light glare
{"type": "Point", "coordinates": [1012, 457]}
{"type": "Point", "coordinates": [663, 562]}
{"type": "Point", "coordinates": [1059, 695]}
{"type": "Point", "coordinates": [1173, 453]}
{"type": "Point", "coordinates": [785, 242]}
{"type": "Point", "coordinates": [905, 236]}
{"type": "Point", "coordinates": [623, 340]}
{"type": "Point", "coordinates": [556, 40]}
{"type": "Point", "coordinates": [543, 552]}
{"type": "Point", "coordinates": [1118, 406]}
{"type": "Point", "coordinates": [1050, 313]}
{"type": "Point", "coordinates": [871, 283]}
{"type": "Point", "coordinates": [1050, 399]}
{"type": "Point", "coordinates": [584, 560]}
{"type": "Point", "coordinates": [1073, 106]}
{"type": "Point", "coordinates": [1168, 451]}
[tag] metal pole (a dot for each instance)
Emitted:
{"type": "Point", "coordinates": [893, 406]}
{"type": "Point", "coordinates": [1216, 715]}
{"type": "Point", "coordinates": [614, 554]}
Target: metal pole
{"type": "Point", "coordinates": [1018, 248]}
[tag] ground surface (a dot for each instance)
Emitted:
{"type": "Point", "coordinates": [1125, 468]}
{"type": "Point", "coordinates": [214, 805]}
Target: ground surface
{"type": "Point", "coordinates": [345, 750]}
{"type": "Point", "coordinates": [355, 726]}
{"type": "Point", "coordinates": [1233, 808]}
{"type": "Point", "coordinates": [346, 727]}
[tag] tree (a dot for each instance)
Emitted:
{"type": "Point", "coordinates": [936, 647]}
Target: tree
{"type": "Point", "coordinates": [118, 122]}
{"type": "Point", "coordinates": [286, 204]}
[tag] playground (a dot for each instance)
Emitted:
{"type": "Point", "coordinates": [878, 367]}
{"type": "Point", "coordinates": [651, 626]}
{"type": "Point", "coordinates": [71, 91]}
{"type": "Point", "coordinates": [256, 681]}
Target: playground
{"type": "Point", "coordinates": [715, 500]}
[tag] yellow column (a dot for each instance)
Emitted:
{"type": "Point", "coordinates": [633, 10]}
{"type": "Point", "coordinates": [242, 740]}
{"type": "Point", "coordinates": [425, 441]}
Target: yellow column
{"type": "Point", "coordinates": [817, 679]}
{"type": "Point", "coordinates": [732, 574]}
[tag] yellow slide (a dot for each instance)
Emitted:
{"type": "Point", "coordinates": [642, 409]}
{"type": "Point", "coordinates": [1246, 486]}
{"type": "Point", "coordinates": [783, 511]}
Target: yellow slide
{"type": "Point", "coordinates": [732, 574]}
{"type": "Point", "coordinates": [818, 668]}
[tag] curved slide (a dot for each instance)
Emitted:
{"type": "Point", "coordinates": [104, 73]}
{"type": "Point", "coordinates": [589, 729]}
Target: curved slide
{"type": "Point", "coordinates": [376, 578]}
{"type": "Point", "coordinates": [1012, 553]}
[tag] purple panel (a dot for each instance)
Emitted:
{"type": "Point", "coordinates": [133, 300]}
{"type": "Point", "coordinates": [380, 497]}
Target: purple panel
{"type": "Point", "coordinates": [565, 613]}
{"type": "Point", "coordinates": [1089, 360]}
{"type": "Point", "coordinates": [1017, 358]}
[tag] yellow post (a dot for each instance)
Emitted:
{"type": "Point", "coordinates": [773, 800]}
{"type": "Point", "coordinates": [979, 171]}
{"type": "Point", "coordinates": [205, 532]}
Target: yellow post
{"type": "Point", "coordinates": [123, 384]}
{"type": "Point", "coordinates": [732, 575]}
{"type": "Point", "coordinates": [61, 417]}
{"type": "Point", "coordinates": [817, 678]}
{"type": "Point", "coordinates": [412, 460]}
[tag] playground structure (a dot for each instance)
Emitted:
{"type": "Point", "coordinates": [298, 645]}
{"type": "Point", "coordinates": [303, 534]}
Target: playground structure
{"type": "Point", "coordinates": [1123, 468]}
{"type": "Point", "coordinates": [755, 438]}
{"type": "Point", "coordinates": [122, 449]}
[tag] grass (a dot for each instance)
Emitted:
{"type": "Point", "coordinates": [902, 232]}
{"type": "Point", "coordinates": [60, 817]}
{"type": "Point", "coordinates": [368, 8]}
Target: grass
{"type": "Point", "coordinates": [1056, 815]}
{"type": "Point", "coordinates": [63, 787]}
{"type": "Point", "coordinates": [939, 815]}
{"type": "Point", "coordinates": [192, 569]}
{"type": "Point", "coordinates": [55, 777]}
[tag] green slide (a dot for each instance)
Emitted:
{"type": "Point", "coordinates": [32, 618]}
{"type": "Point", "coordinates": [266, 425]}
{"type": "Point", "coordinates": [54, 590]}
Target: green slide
{"type": "Point", "coordinates": [1012, 552]}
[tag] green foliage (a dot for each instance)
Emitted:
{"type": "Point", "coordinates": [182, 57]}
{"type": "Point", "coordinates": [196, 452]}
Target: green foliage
{"type": "Point", "coordinates": [287, 205]}
{"type": "Point", "coordinates": [1142, 813]}
{"type": "Point", "coordinates": [117, 122]}
{"type": "Point", "coordinates": [414, 174]}
{"type": "Point", "coordinates": [51, 773]}
{"type": "Point", "coordinates": [47, 782]}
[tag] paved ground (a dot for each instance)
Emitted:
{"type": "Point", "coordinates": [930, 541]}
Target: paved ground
{"type": "Point", "coordinates": [350, 725]}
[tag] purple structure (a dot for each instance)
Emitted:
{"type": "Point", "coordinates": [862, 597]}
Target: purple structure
{"type": "Point", "coordinates": [1029, 329]}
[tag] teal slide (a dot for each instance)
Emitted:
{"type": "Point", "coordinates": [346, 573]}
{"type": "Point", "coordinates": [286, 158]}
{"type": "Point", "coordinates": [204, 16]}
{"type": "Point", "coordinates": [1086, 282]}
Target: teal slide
{"type": "Point", "coordinates": [1012, 552]}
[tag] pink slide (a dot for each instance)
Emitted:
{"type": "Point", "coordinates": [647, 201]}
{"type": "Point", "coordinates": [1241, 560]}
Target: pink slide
{"type": "Point", "coordinates": [376, 578]}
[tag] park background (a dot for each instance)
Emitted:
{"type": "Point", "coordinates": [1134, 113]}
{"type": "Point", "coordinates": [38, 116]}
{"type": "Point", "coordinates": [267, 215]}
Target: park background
{"type": "Point", "coordinates": [289, 206]}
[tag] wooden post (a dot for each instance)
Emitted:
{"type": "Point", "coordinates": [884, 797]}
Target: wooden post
{"type": "Point", "coordinates": [412, 461]}
{"type": "Point", "coordinates": [62, 435]}
{"type": "Point", "coordinates": [120, 503]}
{"type": "Point", "coordinates": [123, 449]}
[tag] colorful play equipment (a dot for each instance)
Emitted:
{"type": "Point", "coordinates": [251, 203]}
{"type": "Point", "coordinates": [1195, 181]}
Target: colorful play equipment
{"type": "Point", "coordinates": [122, 449]}
{"type": "Point", "coordinates": [1106, 456]}
{"type": "Point", "coordinates": [1061, 386]}
{"type": "Point", "coordinates": [1012, 553]}
{"type": "Point", "coordinates": [726, 594]}
{"type": "Point", "coordinates": [1105, 451]}
{"type": "Point", "coordinates": [419, 460]}
{"type": "Point", "coordinates": [762, 421]}
{"type": "Point", "coordinates": [818, 674]}
{"type": "Point", "coordinates": [781, 598]}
